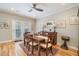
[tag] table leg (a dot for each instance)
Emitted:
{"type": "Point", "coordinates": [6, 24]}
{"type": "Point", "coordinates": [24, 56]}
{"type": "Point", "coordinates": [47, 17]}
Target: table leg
{"type": "Point", "coordinates": [39, 48]}
{"type": "Point", "coordinates": [24, 41]}
{"type": "Point", "coordinates": [78, 51]}
{"type": "Point", "coordinates": [32, 47]}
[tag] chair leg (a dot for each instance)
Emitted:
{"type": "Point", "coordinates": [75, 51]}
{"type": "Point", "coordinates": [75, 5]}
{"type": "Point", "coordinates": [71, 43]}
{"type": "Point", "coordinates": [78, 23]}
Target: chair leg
{"type": "Point", "coordinates": [39, 51]}
{"type": "Point", "coordinates": [51, 50]}
{"type": "Point", "coordinates": [28, 47]}
{"type": "Point", "coordinates": [46, 51]}
{"type": "Point", "coordinates": [32, 50]}
{"type": "Point", "coordinates": [24, 41]}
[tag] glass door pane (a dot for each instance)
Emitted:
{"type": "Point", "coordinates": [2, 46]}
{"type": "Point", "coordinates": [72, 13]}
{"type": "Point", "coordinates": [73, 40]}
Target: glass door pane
{"type": "Point", "coordinates": [18, 30]}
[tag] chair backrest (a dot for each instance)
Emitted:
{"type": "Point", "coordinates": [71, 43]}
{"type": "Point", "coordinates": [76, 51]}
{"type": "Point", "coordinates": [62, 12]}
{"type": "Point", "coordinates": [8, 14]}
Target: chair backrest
{"type": "Point", "coordinates": [25, 34]}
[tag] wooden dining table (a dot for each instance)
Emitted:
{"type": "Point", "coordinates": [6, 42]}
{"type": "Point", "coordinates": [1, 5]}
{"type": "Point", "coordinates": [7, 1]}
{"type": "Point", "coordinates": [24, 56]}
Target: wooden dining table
{"type": "Point", "coordinates": [39, 38]}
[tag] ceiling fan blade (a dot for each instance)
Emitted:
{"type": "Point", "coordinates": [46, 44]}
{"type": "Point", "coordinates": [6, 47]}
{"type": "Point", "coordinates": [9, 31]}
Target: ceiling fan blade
{"type": "Point", "coordinates": [34, 7]}
{"type": "Point", "coordinates": [39, 9]}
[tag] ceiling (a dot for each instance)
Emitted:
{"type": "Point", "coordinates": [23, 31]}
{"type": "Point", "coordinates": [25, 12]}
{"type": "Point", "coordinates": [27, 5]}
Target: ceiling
{"type": "Point", "coordinates": [23, 8]}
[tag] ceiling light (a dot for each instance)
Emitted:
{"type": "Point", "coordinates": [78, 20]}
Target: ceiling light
{"type": "Point", "coordinates": [12, 9]}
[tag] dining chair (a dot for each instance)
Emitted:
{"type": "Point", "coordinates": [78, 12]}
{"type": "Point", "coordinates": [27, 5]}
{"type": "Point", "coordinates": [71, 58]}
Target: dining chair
{"type": "Point", "coordinates": [47, 45]}
{"type": "Point", "coordinates": [32, 43]}
{"type": "Point", "coordinates": [26, 38]}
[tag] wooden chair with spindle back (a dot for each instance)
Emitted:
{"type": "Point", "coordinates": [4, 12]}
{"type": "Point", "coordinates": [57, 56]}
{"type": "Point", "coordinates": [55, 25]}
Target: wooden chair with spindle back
{"type": "Point", "coordinates": [25, 38]}
{"type": "Point", "coordinates": [32, 43]}
{"type": "Point", "coordinates": [47, 44]}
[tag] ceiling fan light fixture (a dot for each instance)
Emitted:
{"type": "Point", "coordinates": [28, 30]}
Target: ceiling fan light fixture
{"type": "Point", "coordinates": [34, 7]}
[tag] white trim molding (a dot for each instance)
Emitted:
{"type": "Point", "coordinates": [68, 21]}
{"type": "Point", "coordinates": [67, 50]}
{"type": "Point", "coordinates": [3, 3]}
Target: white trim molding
{"type": "Point", "coordinates": [71, 47]}
{"type": "Point", "coordinates": [6, 41]}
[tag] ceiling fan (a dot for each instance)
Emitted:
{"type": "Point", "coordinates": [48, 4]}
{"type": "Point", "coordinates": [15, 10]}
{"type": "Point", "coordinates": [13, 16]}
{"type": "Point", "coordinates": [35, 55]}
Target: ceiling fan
{"type": "Point", "coordinates": [34, 7]}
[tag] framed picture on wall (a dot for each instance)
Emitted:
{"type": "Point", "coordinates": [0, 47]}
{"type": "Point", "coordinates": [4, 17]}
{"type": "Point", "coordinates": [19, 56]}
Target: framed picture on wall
{"type": "Point", "coordinates": [4, 25]}
{"type": "Point", "coordinates": [60, 23]}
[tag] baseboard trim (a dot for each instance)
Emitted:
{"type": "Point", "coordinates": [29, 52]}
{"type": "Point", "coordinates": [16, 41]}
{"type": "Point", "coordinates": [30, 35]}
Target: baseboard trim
{"type": "Point", "coordinates": [71, 47]}
{"type": "Point", "coordinates": [10, 41]}
{"type": "Point", "coordinates": [17, 40]}
{"type": "Point", "coordinates": [7, 41]}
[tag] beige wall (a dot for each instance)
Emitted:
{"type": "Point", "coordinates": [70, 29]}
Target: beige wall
{"type": "Point", "coordinates": [6, 34]}
{"type": "Point", "coordinates": [69, 30]}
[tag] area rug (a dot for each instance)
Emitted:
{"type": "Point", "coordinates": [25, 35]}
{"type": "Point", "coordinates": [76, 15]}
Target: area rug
{"type": "Point", "coordinates": [35, 51]}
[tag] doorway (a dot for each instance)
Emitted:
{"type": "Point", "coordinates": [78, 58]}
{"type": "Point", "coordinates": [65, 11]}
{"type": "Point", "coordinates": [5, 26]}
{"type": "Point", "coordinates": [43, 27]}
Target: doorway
{"type": "Point", "coordinates": [18, 29]}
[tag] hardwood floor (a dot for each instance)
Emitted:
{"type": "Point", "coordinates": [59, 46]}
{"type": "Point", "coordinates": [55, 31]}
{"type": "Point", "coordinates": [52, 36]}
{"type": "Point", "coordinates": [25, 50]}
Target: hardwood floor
{"type": "Point", "coordinates": [13, 49]}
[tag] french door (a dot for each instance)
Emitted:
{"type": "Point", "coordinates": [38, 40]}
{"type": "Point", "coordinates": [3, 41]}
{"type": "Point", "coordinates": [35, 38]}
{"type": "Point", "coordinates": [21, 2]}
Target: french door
{"type": "Point", "coordinates": [18, 29]}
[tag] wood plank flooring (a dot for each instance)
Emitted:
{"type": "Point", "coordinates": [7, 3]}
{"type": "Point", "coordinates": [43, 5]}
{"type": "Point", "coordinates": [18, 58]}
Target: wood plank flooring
{"type": "Point", "coordinates": [13, 49]}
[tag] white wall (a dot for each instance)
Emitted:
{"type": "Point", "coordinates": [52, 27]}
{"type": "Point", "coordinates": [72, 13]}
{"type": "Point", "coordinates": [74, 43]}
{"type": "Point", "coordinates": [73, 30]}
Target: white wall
{"type": "Point", "coordinates": [6, 34]}
{"type": "Point", "coordinates": [69, 30]}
